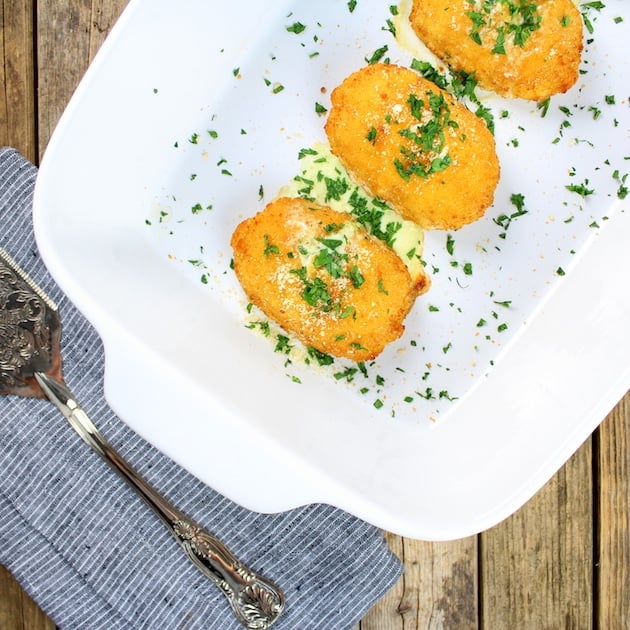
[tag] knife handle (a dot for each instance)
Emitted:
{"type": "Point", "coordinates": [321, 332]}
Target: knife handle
{"type": "Point", "coordinates": [256, 602]}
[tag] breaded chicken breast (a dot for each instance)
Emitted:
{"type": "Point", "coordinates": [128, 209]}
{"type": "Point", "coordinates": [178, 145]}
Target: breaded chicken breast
{"type": "Point", "coordinates": [413, 145]}
{"type": "Point", "coordinates": [323, 278]}
{"type": "Point", "coordinates": [527, 49]}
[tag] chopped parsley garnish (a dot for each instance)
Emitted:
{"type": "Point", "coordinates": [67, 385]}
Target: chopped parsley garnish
{"type": "Point", "coordinates": [518, 200]}
{"type": "Point", "coordinates": [269, 248]}
{"type": "Point", "coordinates": [335, 262]}
{"type": "Point", "coordinates": [459, 83]}
{"type": "Point", "coordinates": [597, 6]}
{"type": "Point", "coordinates": [377, 55]}
{"type": "Point", "coordinates": [357, 345]}
{"type": "Point", "coordinates": [543, 107]}
{"type": "Point", "coordinates": [370, 215]}
{"type": "Point", "coordinates": [622, 191]}
{"type": "Point", "coordinates": [464, 85]}
{"type": "Point", "coordinates": [516, 21]}
{"type": "Point", "coordinates": [283, 344]}
{"type": "Point", "coordinates": [485, 114]}
{"type": "Point", "coordinates": [389, 27]}
{"type": "Point", "coordinates": [444, 394]}
{"type": "Point", "coordinates": [504, 220]}
{"type": "Point", "coordinates": [330, 259]}
{"type": "Point", "coordinates": [304, 152]}
{"type": "Point", "coordinates": [450, 244]}
{"type": "Point", "coordinates": [335, 188]}
{"type": "Point", "coordinates": [296, 27]}
{"type": "Point", "coordinates": [333, 227]}
{"type": "Point", "coordinates": [264, 326]}
{"type": "Point", "coordinates": [581, 189]}
{"type": "Point", "coordinates": [320, 357]}
{"type": "Point", "coordinates": [356, 276]}
{"type": "Point", "coordinates": [429, 73]}
{"type": "Point", "coordinates": [347, 374]}
{"type": "Point", "coordinates": [315, 292]}
{"type": "Point", "coordinates": [424, 153]}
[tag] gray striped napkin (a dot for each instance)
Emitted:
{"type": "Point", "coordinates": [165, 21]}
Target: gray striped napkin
{"type": "Point", "coordinates": [90, 552]}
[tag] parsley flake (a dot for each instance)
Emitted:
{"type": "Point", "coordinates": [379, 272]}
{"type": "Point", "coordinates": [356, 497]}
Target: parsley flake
{"type": "Point", "coordinates": [296, 27]}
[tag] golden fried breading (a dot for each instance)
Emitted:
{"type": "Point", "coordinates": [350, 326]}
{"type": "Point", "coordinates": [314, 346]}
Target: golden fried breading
{"type": "Point", "coordinates": [522, 48]}
{"type": "Point", "coordinates": [323, 278]}
{"type": "Point", "coordinates": [414, 146]}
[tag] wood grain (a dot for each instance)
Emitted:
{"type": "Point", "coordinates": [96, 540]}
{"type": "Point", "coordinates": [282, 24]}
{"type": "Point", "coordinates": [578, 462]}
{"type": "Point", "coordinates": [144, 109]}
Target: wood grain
{"type": "Point", "coordinates": [439, 589]}
{"type": "Point", "coordinates": [17, 85]}
{"type": "Point", "coordinates": [17, 609]}
{"type": "Point", "coordinates": [69, 35]}
{"type": "Point", "coordinates": [613, 527]}
{"type": "Point", "coordinates": [537, 566]}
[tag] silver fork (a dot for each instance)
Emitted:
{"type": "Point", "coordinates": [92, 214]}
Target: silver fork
{"type": "Point", "coordinates": [30, 365]}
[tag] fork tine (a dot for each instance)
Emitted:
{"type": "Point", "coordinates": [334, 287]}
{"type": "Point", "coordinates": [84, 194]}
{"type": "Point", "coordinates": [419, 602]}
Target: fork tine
{"type": "Point", "coordinates": [11, 264]}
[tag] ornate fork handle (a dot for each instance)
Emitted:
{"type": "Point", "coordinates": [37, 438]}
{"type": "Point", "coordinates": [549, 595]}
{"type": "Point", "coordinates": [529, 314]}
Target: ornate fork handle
{"type": "Point", "coordinates": [256, 602]}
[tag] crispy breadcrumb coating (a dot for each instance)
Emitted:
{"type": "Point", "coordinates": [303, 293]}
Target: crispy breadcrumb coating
{"type": "Point", "coordinates": [527, 49]}
{"type": "Point", "coordinates": [413, 145]}
{"type": "Point", "coordinates": [322, 277]}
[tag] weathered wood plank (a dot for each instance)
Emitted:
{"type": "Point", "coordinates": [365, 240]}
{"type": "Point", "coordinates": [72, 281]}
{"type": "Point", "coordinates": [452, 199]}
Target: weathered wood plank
{"type": "Point", "coordinates": [18, 130]}
{"type": "Point", "coordinates": [437, 592]}
{"type": "Point", "coordinates": [537, 566]}
{"type": "Point", "coordinates": [17, 73]}
{"type": "Point", "coordinates": [613, 604]}
{"type": "Point", "coordinates": [63, 44]}
{"type": "Point", "coordinates": [104, 16]}
{"type": "Point", "coordinates": [17, 610]}
{"type": "Point", "coordinates": [69, 35]}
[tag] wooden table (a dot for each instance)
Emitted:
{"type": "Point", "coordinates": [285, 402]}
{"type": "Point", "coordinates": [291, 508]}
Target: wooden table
{"type": "Point", "coordinates": [562, 561]}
